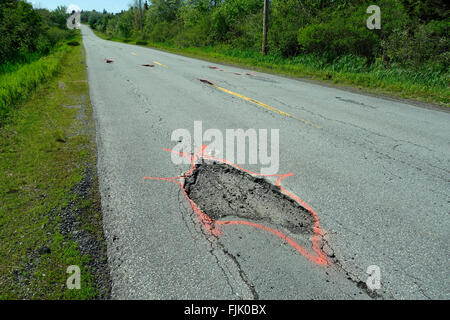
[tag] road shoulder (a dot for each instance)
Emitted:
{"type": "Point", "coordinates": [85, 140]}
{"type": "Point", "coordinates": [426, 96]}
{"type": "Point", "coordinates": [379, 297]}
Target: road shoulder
{"type": "Point", "coordinates": [50, 213]}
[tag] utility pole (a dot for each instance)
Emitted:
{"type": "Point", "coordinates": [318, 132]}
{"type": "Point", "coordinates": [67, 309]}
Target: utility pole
{"type": "Point", "coordinates": [265, 26]}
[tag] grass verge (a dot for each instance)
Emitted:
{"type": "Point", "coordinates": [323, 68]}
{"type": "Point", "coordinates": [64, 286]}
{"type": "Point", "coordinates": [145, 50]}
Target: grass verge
{"type": "Point", "coordinates": [50, 214]}
{"type": "Point", "coordinates": [429, 86]}
{"type": "Point", "coordinates": [15, 86]}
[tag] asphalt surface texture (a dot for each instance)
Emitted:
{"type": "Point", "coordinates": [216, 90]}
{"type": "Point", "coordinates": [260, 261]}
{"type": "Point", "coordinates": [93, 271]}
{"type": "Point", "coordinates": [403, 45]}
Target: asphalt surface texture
{"type": "Point", "coordinates": [374, 170]}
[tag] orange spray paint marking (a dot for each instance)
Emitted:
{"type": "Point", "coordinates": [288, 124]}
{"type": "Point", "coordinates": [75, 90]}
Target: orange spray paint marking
{"type": "Point", "coordinates": [317, 255]}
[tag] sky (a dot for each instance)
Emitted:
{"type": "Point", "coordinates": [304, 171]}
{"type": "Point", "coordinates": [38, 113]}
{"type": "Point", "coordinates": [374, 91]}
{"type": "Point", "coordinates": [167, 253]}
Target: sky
{"type": "Point", "coordinates": [99, 5]}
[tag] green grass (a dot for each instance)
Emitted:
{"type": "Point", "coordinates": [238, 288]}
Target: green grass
{"type": "Point", "coordinates": [21, 80]}
{"type": "Point", "coordinates": [44, 153]}
{"type": "Point", "coordinates": [425, 85]}
{"type": "Point", "coordinates": [15, 65]}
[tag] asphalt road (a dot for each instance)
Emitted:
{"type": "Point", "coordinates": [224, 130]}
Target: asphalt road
{"type": "Point", "coordinates": [375, 171]}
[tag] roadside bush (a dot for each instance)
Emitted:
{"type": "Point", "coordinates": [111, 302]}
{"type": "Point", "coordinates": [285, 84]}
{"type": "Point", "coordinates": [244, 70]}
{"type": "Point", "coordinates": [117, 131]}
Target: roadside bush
{"type": "Point", "coordinates": [191, 37]}
{"type": "Point", "coordinates": [19, 29]}
{"type": "Point", "coordinates": [248, 33]}
{"type": "Point", "coordinates": [195, 24]}
{"type": "Point", "coordinates": [24, 30]}
{"type": "Point", "coordinates": [340, 35]}
{"type": "Point", "coordinates": [286, 18]}
{"type": "Point", "coordinates": [163, 31]}
{"type": "Point", "coordinates": [125, 30]}
{"type": "Point", "coordinates": [229, 14]}
{"type": "Point", "coordinates": [414, 47]}
{"type": "Point", "coordinates": [342, 31]}
{"type": "Point", "coordinates": [55, 35]}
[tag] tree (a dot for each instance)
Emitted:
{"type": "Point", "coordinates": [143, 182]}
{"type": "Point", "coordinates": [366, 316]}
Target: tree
{"type": "Point", "coordinates": [427, 10]}
{"type": "Point", "coordinates": [139, 13]}
{"type": "Point", "coordinates": [20, 27]}
{"type": "Point", "coordinates": [59, 16]}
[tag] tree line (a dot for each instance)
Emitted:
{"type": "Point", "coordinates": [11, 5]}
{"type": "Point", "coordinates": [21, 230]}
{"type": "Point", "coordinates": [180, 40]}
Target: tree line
{"type": "Point", "coordinates": [413, 32]}
{"type": "Point", "coordinates": [26, 33]}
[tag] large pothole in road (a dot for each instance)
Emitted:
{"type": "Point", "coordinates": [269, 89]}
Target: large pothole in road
{"type": "Point", "coordinates": [220, 191]}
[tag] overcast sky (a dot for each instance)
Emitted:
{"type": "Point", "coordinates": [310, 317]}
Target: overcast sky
{"type": "Point", "coordinates": [99, 5]}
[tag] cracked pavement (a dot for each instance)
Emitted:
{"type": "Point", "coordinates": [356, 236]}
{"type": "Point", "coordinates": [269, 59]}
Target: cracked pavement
{"type": "Point", "coordinates": [375, 170]}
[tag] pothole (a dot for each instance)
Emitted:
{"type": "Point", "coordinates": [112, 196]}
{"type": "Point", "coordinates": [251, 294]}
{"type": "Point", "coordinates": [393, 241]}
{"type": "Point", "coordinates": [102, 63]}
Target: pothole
{"type": "Point", "coordinates": [220, 191]}
{"type": "Point", "coordinates": [207, 82]}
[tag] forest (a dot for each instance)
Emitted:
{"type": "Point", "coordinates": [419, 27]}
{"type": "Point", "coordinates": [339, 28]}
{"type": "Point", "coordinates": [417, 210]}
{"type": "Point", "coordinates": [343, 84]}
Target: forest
{"type": "Point", "coordinates": [413, 34]}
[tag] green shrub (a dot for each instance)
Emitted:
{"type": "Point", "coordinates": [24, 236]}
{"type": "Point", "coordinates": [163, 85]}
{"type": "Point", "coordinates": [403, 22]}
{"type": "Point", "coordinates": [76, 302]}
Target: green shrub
{"type": "Point", "coordinates": [420, 45]}
{"type": "Point", "coordinates": [20, 27]}
{"type": "Point", "coordinates": [229, 14]}
{"type": "Point", "coordinates": [249, 32]}
{"type": "Point", "coordinates": [195, 34]}
{"type": "Point", "coordinates": [342, 31]}
{"type": "Point", "coordinates": [56, 35]}
{"type": "Point", "coordinates": [163, 31]}
{"type": "Point", "coordinates": [340, 35]}
{"type": "Point", "coordinates": [286, 18]}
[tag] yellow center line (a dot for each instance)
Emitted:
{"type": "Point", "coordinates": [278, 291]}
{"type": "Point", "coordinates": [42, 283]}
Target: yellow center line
{"type": "Point", "coordinates": [265, 106]}
{"type": "Point", "coordinates": [162, 65]}
{"type": "Point", "coordinates": [134, 53]}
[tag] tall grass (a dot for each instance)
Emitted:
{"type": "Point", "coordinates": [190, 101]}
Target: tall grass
{"type": "Point", "coordinates": [21, 80]}
{"type": "Point", "coordinates": [12, 66]}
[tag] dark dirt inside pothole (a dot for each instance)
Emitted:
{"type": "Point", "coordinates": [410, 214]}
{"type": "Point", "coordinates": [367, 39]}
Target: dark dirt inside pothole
{"type": "Point", "coordinates": [220, 190]}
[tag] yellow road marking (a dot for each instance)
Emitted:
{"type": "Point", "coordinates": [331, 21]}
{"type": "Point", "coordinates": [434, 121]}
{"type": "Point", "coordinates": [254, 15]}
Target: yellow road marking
{"type": "Point", "coordinates": [134, 53]}
{"type": "Point", "coordinates": [162, 65]}
{"type": "Point", "coordinates": [265, 106]}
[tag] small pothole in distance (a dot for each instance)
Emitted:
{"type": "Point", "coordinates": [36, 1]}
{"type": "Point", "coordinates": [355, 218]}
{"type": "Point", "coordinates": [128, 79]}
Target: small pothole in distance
{"type": "Point", "coordinates": [221, 190]}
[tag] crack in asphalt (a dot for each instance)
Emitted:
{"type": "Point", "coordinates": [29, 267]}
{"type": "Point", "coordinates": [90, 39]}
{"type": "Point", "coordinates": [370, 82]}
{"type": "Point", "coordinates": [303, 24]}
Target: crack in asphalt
{"type": "Point", "coordinates": [370, 132]}
{"type": "Point", "coordinates": [351, 276]}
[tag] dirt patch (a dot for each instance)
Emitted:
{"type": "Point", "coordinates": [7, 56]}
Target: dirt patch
{"type": "Point", "coordinates": [220, 190]}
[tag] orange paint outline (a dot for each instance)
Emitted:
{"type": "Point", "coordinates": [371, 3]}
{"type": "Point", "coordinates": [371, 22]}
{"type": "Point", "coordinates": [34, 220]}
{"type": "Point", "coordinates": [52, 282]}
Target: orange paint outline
{"type": "Point", "coordinates": [212, 226]}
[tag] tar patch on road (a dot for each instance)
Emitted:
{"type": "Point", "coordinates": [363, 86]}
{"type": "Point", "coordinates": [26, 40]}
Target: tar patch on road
{"type": "Point", "coordinates": [220, 190]}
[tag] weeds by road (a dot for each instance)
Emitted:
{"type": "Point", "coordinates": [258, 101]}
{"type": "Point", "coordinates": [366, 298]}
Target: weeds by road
{"type": "Point", "coordinates": [50, 214]}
